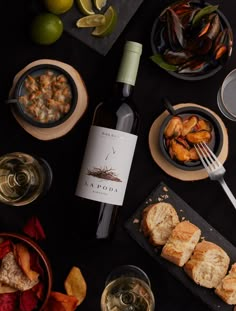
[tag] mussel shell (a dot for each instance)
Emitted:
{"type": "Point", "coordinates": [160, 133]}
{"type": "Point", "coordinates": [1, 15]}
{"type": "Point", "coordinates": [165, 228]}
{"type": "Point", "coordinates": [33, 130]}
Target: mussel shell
{"type": "Point", "coordinates": [178, 57]}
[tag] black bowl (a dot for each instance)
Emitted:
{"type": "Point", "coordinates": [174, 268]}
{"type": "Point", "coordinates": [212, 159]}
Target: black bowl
{"type": "Point", "coordinates": [212, 66]}
{"type": "Point", "coordinates": [20, 90]}
{"type": "Point", "coordinates": [217, 140]}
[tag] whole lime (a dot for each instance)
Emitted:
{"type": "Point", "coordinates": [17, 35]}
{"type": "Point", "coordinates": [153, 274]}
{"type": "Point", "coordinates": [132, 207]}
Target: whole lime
{"type": "Point", "coordinates": [58, 6]}
{"type": "Point", "coordinates": [46, 28]}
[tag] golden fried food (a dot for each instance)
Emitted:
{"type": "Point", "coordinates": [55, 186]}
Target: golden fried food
{"type": "Point", "coordinates": [174, 127]}
{"type": "Point", "coordinates": [198, 137]}
{"type": "Point", "coordinates": [75, 284]}
{"type": "Point", "coordinates": [189, 124]}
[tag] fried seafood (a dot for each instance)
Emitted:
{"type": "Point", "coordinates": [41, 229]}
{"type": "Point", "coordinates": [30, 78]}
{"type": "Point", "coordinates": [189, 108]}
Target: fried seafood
{"type": "Point", "coordinates": [181, 134]}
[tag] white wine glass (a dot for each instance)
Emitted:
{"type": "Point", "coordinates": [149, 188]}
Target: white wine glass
{"type": "Point", "coordinates": [23, 178]}
{"type": "Point", "coordinates": [127, 288]}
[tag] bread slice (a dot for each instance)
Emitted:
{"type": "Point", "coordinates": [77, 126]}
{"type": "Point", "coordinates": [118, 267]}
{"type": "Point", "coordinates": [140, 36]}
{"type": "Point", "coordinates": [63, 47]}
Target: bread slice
{"type": "Point", "coordinates": [226, 289]}
{"type": "Point", "coordinates": [208, 264]}
{"type": "Point", "coordinates": [158, 220]}
{"type": "Point", "coordinates": [181, 243]}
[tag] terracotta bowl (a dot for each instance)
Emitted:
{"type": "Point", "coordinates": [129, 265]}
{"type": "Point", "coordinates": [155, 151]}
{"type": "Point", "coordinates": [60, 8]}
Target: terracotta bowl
{"type": "Point", "coordinates": [20, 90]}
{"type": "Point", "coordinates": [217, 135]}
{"type": "Point", "coordinates": [45, 264]}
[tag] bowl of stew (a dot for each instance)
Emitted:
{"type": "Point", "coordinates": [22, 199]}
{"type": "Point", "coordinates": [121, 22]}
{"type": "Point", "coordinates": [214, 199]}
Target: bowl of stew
{"type": "Point", "coordinates": [45, 96]}
{"type": "Point", "coordinates": [183, 128]}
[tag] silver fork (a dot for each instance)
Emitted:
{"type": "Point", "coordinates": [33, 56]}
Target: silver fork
{"type": "Point", "coordinates": [214, 168]}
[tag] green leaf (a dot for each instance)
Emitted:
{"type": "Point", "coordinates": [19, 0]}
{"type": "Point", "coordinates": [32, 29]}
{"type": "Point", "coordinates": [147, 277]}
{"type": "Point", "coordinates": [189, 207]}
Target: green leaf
{"type": "Point", "coordinates": [158, 59]}
{"type": "Point", "coordinates": [205, 11]}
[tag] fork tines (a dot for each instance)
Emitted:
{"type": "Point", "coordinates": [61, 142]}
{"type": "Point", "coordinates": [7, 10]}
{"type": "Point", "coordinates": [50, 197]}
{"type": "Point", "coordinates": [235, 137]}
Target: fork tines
{"type": "Point", "coordinates": [207, 157]}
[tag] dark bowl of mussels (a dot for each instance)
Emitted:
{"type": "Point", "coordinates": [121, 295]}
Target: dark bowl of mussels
{"type": "Point", "coordinates": [183, 128]}
{"type": "Point", "coordinates": [191, 40]}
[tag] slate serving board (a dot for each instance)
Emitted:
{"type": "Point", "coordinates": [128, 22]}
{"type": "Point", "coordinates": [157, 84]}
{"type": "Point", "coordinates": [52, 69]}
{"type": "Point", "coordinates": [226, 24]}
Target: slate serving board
{"type": "Point", "coordinates": [165, 194]}
{"type": "Point", "coordinates": [125, 10]}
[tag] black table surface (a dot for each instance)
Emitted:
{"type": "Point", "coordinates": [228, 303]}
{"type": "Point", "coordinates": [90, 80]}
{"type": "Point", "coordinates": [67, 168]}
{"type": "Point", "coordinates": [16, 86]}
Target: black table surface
{"type": "Point", "coordinates": [57, 209]}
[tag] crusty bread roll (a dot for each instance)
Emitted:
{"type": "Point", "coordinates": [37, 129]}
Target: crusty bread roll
{"type": "Point", "coordinates": [226, 289]}
{"type": "Point", "coordinates": [158, 220]}
{"type": "Point", "coordinates": [181, 243]}
{"type": "Point", "coordinates": [208, 264]}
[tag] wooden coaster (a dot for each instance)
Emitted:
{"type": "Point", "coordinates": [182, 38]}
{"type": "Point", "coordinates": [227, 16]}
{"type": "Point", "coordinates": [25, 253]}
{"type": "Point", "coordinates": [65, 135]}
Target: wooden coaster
{"type": "Point", "coordinates": [167, 166]}
{"type": "Point", "coordinates": [65, 127]}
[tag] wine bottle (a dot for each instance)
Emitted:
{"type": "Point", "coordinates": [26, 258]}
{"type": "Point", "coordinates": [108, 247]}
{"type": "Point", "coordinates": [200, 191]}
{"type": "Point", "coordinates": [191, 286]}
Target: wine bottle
{"type": "Point", "coordinates": [109, 152]}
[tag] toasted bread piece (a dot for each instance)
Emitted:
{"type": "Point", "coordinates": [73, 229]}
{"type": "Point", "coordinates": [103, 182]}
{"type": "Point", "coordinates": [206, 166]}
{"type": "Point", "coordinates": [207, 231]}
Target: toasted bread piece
{"type": "Point", "coordinates": [158, 220]}
{"type": "Point", "coordinates": [226, 289]}
{"type": "Point", "coordinates": [181, 243]}
{"type": "Point", "coordinates": [12, 275]}
{"type": "Point", "coordinates": [208, 264]}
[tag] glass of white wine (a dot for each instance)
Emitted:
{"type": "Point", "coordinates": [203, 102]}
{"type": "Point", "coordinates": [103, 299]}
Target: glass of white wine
{"type": "Point", "coordinates": [127, 288]}
{"type": "Point", "coordinates": [23, 178]}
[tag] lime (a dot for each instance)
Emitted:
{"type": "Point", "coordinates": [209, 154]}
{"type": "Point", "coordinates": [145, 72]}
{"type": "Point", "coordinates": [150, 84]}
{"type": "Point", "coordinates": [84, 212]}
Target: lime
{"type": "Point", "coordinates": [99, 4]}
{"type": "Point", "coordinates": [85, 6]}
{"type": "Point", "coordinates": [58, 6]}
{"type": "Point", "coordinates": [46, 28]}
{"type": "Point", "coordinates": [91, 21]}
{"type": "Point", "coordinates": [108, 27]}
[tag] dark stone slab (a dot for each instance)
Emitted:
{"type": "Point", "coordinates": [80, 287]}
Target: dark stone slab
{"type": "Point", "coordinates": [125, 10]}
{"type": "Point", "coordinates": [208, 232]}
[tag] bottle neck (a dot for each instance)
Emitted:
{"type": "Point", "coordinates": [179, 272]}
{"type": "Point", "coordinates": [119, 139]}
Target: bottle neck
{"type": "Point", "coordinates": [123, 89]}
{"type": "Point", "coordinates": [128, 69]}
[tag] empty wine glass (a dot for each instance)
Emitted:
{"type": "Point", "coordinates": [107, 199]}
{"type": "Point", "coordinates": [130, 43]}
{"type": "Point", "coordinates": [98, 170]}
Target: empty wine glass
{"type": "Point", "coordinates": [23, 178]}
{"type": "Point", "coordinates": [127, 288]}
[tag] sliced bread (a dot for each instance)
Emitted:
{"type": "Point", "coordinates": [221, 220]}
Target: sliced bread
{"type": "Point", "coordinates": [226, 289]}
{"type": "Point", "coordinates": [181, 243]}
{"type": "Point", "coordinates": [158, 220]}
{"type": "Point", "coordinates": [208, 264]}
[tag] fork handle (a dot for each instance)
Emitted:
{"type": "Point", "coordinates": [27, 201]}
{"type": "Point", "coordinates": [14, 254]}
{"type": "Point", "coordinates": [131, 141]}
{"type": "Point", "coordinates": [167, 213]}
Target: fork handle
{"type": "Point", "coordinates": [228, 191]}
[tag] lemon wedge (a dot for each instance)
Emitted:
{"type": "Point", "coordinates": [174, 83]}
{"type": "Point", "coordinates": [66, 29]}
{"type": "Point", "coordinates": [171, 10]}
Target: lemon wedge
{"type": "Point", "coordinates": [91, 21]}
{"type": "Point", "coordinates": [99, 4]}
{"type": "Point", "coordinates": [85, 6]}
{"type": "Point", "coordinates": [110, 23]}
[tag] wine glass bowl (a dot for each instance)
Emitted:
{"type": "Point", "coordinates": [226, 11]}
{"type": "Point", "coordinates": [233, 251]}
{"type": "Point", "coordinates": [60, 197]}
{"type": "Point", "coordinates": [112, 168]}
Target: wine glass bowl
{"type": "Point", "coordinates": [45, 96]}
{"type": "Point", "coordinates": [127, 288]}
{"type": "Point", "coordinates": [23, 178]}
{"type": "Point", "coordinates": [215, 143]}
{"type": "Point", "coordinates": [191, 41]}
{"type": "Point", "coordinates": [43, 265]}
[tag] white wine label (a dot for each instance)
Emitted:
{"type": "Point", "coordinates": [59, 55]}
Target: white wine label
{"type": "Point", "coordinates": [106, 165]}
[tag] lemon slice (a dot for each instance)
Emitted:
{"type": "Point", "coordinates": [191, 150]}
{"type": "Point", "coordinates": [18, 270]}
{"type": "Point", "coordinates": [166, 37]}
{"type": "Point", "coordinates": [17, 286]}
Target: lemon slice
{"type": "Point", "coordinates": [91, 21]}
{"type": "Point", "coordinates": [85, 6]}
{"type": "Point", "coordinates": [99, 4]}
{"type": "Point", "coordinates": [110, 23]}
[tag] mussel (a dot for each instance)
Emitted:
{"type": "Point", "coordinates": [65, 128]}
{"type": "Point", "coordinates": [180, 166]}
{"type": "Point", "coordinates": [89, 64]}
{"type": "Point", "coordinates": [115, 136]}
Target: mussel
{"type": "Point", "coordinates": [198, 137]}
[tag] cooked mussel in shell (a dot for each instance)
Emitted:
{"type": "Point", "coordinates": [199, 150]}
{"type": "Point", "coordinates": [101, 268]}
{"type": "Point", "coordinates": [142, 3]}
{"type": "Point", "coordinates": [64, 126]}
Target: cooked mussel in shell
{"type": "Point", "coordinates": [191, 39]}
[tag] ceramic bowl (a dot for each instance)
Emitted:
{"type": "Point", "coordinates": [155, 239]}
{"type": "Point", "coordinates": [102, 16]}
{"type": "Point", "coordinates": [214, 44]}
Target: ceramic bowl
{"type": "Point", "coordinates": [202, 48]}
{"type": "Point", "coordinates": [44, 262]}
{"type": "Point", "coordinates": [216, 143]}
{"type": "Point", "coordinates": [30, 112]}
